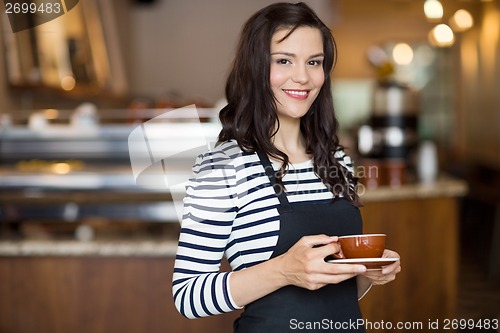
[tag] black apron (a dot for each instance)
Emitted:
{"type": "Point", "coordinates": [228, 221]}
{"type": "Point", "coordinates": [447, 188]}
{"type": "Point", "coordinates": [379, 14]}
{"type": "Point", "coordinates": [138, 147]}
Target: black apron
{"type": "Point", "coordinates": [290, 309]}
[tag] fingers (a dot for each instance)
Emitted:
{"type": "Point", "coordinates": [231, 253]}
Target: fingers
{"type": "Point", "coordinates": [333, 268]}
{"type": "Point", "coordinates": [306, 267]}
{"type": "Point", "coordinates": [388, 273]}
{"type": "Point", "coordinates": [392, 269]}
{"type": "Point", "coordinates": [323, 245]}
{"type": "Point", "coordinates": [378, 278]}
{"type": "Point", "coordinates": [331, 274]}
{"type": "Point", "coordinates": [304, 263]}
{"type": "Point", "coordinates": [315, 240]}
{"type": "Point", "coordinates": [336, 278]}
{"type": "Point", "coordinates": [336, 273]}
{"type": "Point", "coordinates": [390, 254]}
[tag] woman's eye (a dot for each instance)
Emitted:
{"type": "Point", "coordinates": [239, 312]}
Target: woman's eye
{"type": "Point", "coordinates": [315, 63]}
{"type": "Point", "coordinates": [282, 61]}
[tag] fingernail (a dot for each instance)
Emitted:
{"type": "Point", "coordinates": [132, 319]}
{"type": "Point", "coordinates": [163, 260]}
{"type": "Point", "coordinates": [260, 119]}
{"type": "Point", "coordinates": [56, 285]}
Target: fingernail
{"type": "Point", "coordinates": [361, 269]}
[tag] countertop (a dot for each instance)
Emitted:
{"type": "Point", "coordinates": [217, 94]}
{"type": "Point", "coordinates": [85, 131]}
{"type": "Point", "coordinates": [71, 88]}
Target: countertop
{"type": "Point", "coordinates": [444, 187]}
{"type": "Point", "coordinates": [123, 248]}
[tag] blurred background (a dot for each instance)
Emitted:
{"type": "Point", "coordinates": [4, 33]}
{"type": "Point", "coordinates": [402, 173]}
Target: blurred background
{"type": "Point", "coordinates": [86, 247]}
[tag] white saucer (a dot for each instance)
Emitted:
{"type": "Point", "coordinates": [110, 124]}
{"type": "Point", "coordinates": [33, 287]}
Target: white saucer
{"type": "Point", "coordinates": [370, 263]}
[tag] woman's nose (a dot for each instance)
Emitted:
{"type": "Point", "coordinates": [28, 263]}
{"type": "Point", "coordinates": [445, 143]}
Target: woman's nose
{"type": "Point", "coordinates": [300, 74]}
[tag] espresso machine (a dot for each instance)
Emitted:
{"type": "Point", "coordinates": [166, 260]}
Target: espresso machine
{"type": "Point", "coordinates": [388, 139]}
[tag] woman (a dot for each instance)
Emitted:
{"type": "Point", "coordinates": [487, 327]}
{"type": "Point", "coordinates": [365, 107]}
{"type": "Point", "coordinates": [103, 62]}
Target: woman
{"type": "Point", "coordinates": [276, 191]}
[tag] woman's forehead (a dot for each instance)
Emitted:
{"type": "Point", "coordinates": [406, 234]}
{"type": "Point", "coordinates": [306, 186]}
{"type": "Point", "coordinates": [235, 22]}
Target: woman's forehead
{"type": "Point", "coordinates": [304, 37]}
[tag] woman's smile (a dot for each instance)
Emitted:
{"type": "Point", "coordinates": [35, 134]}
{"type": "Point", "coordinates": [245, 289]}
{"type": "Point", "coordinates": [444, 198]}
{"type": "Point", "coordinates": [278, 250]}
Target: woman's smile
{"type": "Point", "coordinates": [298, 94]}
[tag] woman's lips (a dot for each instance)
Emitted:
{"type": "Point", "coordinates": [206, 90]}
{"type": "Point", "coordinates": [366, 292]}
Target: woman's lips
{"type": "Point", "coordinates": [298, 94]}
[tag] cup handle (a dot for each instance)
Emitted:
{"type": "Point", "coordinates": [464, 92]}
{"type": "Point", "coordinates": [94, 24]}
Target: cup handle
{"type": "Point", "coordinates": [338, 255]}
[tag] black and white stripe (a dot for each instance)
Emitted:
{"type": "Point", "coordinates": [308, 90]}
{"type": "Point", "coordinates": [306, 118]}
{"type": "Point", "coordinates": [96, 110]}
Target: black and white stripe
{"type": "Point", "coordinates": [230, 209]}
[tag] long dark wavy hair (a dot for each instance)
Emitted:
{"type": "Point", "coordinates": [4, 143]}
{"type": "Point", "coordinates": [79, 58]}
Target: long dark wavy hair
{"type": "Point", "coordinates": [250, 117]}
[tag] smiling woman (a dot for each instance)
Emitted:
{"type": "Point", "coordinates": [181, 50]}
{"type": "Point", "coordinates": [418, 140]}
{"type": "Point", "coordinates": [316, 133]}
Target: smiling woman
{"type": "Point", "coordinates": [277, 191]}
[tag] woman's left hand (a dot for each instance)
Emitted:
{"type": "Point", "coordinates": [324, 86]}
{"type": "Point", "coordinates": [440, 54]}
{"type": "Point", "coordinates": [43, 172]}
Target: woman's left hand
{"type": "Point", "coordinates": [388, 273]}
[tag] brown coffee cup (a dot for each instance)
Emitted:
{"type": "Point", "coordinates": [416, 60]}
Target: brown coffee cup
{"type": "Point", "coordinates": [361, 246]}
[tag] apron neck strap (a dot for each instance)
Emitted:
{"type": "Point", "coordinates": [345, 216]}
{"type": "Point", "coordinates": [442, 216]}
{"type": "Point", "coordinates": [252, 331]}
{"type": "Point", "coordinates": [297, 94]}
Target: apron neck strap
{"type": "Point", "coordinates": [269, 170]}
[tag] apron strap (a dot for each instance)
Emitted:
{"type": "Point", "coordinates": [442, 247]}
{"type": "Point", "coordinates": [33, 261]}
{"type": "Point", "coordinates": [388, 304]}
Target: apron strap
{"type": "Point", "coordinates": [268, 168]}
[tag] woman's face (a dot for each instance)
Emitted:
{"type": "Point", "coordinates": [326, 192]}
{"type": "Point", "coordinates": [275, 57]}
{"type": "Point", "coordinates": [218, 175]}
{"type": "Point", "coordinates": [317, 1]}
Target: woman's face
{"type": "Point", "coordinates": [296, 70]}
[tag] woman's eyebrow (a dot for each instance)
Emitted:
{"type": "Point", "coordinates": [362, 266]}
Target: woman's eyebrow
{"type": "Point", "coordinates": [284, 53]}
{"type": "Point", "coordinates": [293, 55]}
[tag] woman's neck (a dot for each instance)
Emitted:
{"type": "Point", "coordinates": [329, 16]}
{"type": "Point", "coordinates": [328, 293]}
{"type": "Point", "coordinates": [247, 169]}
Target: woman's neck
{"type": "Point", "coordinates": [290, 141]}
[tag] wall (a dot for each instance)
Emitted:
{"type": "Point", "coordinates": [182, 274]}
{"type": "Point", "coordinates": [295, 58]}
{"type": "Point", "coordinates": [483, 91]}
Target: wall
{"type": "Point", "coordinates": [186, 47]}
{"type": "Point", "coordinates": [363, 23]}
{"type": "Point", "coordinates": [479, 116]}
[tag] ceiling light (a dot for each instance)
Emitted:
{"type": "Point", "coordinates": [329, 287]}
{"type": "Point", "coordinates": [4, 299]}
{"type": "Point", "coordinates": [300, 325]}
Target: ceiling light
{"type": "Point", "coordinates": [433, 10]}
{"type": "Point", "coordinates": [402, 54]}
{"type": "Point", "coordinates": [441, 36]}
{"type": "Point", "coordinates": [461, 20]}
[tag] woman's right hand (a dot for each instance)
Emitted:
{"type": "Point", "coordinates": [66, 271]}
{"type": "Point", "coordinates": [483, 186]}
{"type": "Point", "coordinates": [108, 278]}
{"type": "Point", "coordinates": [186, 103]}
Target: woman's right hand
{"type": "Point", "coordinates": [304, 265]}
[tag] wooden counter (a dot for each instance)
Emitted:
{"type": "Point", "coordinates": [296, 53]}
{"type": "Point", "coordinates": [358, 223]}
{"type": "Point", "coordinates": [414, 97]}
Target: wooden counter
{"type": "Point", "coordinates": [126, 286]}
{"type": "Point", "coordinates": [424, 231]}
{"type": "Point", "coordinates": [96, 294]}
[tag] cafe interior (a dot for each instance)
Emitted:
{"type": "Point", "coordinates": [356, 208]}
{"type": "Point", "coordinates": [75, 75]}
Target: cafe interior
{"type": "Point", "coordinates": [104, 109]}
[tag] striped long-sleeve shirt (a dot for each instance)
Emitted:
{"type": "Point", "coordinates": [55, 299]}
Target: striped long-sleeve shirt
{"type": "Point", "coordinates": [230, 209]}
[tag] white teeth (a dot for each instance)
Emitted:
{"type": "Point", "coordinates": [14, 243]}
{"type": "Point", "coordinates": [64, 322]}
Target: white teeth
{"type": "Point", "coordinates": [295, 92]}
